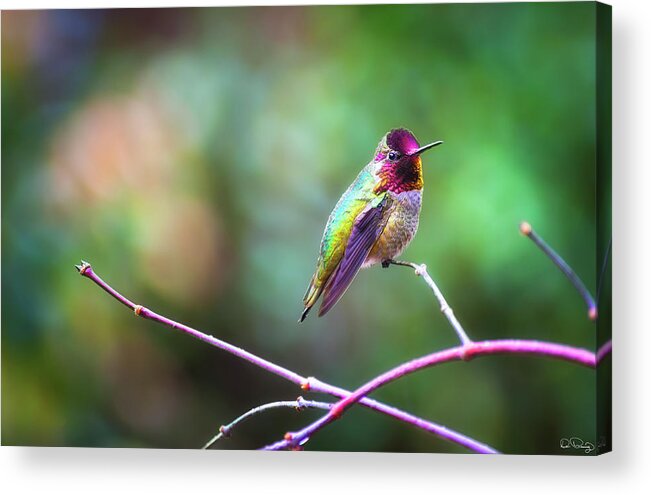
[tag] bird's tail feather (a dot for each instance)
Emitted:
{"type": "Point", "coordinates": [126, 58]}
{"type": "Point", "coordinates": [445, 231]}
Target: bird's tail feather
{"type": "Point", "coordinates": [311, 295]}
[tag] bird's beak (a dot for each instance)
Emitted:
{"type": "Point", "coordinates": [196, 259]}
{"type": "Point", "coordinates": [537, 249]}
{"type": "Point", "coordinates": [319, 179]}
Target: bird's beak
{"type": "Point", "coordinates": [426, 147]}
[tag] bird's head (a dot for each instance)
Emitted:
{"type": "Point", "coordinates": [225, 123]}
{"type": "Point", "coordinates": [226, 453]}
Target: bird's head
{"type": "Point", "coordinates": [399, 162]}
{"type": "Point", "coordinates": [400, 145]}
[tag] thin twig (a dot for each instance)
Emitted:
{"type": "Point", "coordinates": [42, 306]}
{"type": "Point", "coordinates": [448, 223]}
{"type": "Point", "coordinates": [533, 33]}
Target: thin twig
{"type": "Point", "coordinates": [527, 230]}
{"type": "Point", "coordinates": [299, 404]}
{"type": "Point", "coordinates": [306, 383]}
{"type": "Point", "coordinates": [604, 350]}
{"type": "Point", "coordinates": [421, 271]}
{"type": "Point", "coordinates": [466, 352]}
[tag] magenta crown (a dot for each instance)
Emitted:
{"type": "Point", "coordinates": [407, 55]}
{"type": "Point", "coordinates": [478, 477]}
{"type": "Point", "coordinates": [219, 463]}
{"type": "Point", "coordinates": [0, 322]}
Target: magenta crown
{"type": "Point", "coordinates": [403, 141]}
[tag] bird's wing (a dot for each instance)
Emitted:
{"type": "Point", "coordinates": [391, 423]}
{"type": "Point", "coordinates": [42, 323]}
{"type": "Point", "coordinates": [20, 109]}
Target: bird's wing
{"type": "Point", "coordinates": [357, 198]}
{"type": "Point", "coordinates": [366, 230]}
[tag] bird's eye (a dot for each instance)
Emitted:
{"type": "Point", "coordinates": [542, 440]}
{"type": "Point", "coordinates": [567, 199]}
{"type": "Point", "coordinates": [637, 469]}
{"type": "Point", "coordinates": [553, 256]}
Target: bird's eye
{"type": "Point", "coordinates": [393, 156]}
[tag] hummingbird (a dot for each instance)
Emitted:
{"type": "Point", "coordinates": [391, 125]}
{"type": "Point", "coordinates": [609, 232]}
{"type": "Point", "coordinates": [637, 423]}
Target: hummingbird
{"type": "Point", "coordinates": [373, 221]}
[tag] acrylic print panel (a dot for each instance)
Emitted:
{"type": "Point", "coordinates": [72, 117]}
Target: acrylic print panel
{"type": "Point", "coordinates": [193, 157]}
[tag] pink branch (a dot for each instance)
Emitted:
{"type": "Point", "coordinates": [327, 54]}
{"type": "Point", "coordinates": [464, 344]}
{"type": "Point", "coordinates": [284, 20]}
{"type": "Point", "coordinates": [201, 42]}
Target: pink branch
{"type": "Point", "coordinates": [438, 430]}
{"type": "Point", "coordinates": [311, 384]}
{"type": "Point", "coordinates": [465, 353]}
{"type": "Point", "coordinates": [86, 270]}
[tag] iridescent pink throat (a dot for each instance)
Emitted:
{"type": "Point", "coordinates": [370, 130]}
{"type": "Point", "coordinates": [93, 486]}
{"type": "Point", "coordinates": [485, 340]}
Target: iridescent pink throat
{"type": "Point", "coordinates": [404, 175]}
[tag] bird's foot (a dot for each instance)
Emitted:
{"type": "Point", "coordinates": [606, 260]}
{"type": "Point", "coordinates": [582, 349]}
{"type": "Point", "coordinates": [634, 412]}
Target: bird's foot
{"type": "Point", "coordinates": [386, 263]}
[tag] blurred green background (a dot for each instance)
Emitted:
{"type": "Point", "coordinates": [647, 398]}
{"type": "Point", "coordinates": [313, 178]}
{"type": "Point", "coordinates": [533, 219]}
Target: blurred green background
{"type": "Point", "coordinates": [193, 156]}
